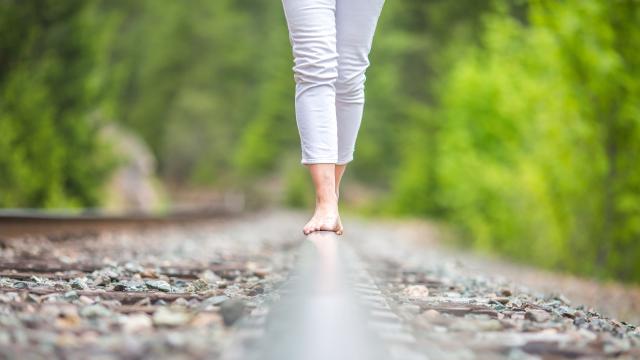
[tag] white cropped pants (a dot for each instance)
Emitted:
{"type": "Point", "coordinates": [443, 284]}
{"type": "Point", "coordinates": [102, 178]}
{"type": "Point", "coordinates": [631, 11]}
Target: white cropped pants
{"type": "Point", "coordinates": [331, 41]}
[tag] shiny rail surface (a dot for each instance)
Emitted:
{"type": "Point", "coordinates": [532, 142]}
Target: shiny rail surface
{"type": "Point", "coordinates": [321, 312]}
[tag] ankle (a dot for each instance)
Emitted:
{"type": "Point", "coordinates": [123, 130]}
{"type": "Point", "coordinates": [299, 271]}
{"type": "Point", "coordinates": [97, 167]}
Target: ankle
{"type": "Point", "coordinates": [326, 202]}
{"type": "Point", "coordinates": [326, 198]}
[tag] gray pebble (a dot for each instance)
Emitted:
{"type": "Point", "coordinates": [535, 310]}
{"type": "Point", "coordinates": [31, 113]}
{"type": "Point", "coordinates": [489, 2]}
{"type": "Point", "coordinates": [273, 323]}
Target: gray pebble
{"type": "Point", "coordinates": [78, 284]}
{"type": "Point", "coordinates": [71, 295]}
{"type": "Point", "coordinates": [214, 300]}
{"type": "Point", "coordinates": [95, 311]}
{"type": "Point", "coordinates": [20, 285]}
{"type": "Point", "coordinates": [537, 315]}
{"type": "Point", "coordinates": [170, 317]}
{"type": "Point", "coordinates": [158, 285]}
{"type": "Point", "coordinates": [232, 310]}
{"type": "Point", "coordinates": [129, 286]}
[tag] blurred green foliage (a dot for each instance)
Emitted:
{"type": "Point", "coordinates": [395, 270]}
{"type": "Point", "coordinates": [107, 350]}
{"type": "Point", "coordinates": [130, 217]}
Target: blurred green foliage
{"type": "Point", "coordinates": [49, 153]}
{"type": "Point", "coordinates": [516, 121]}
{"type": "Point", "coordinates": [538, 139]}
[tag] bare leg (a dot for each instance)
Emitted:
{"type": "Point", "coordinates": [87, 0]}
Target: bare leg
{"type": "Point", "coordinates": [340, 169]}
{"type": "Point", "coordinates": [326, 216]}
{"type": "Point", "coordinates": [339, 172]}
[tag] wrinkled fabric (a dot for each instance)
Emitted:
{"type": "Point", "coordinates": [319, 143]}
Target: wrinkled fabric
{"type": "Point", "coordinates": [331, 41]}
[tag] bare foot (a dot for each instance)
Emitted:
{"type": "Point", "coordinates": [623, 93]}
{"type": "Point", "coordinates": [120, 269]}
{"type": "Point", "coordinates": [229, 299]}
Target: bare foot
{"type": "Point", "coordinates": [326, 217]}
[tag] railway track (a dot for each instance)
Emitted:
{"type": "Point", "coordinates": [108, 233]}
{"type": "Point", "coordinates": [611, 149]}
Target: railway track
{"type": "Point", "coordinates": [250, 286]}
{"type": "Point", "coordinates": [22, 222]}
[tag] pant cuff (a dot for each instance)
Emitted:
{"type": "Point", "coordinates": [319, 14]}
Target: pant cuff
{"type": "Point", "coordinates": [345, 160]}
{"type": "Point", "coordinates": [319, 161]}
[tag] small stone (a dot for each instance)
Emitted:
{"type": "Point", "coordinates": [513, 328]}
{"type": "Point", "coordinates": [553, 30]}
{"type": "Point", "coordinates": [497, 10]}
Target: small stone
{"type": "Point", "coordinates": [567, 312]}
{"type": "Point", "coordinates": [20, 285]}
{"type": "Point", "coordinates": [61, 287]}
{"type": "Point", "coordinates": [502, 300]}
{"type": "Point", "coordinates": [563, 299]}
{"type": "Point", "coordinates": [34, 298]}
{"type": "Point", "coordinates": [261, 272]}
{"type": "Point", "coordinates": [37, 279]}
{"type": "Point", "coordinates": [170, 317]}
{"type": "Point", "coordinates": [232, 310]}
{"type": "Point", "coordinates": [71, 295]}
{"type": "Point", "coordinates": [158, 285]}
{"type": "Point", "coordinates": [499, 307]}
{"type": "Point", "coordinates": [416, 292]}
{"type": "Point", "coordinates": [616, 346]}
{"type": "Point", "coordinates": [230, 274]}
{"type": "Point", "coordinates": [517, 303]}
{"type": "Point", "coordinates": [94, 311]}
{"type": "Point", "coordinates": [78, 284]}
{"type": "Point", "coordinates": [149, 273]}
{"type": "Point", "coordinates": [86, 300]}
{"type": "Point", "coordinates": [111, 304]}
{"type": "Point", "coordinates": [110, 274]}
{"type": "Point", "coordinates": [233, 291]}
{"type": "Point", "coordinates": [132, 348]}
{"type": "Point", "coordinates": [198, 285]}
{"type": "Point", "coordinates": [133, 267]}
{"type": "Point", "coordinates": [138, 322]}
{"type": "Point", "coordinates": [176, 340]}
{"type": "Point", "coordinates": [409, 309]}
{"type": "Point", "coordinates": [579, 321]}
{"type": "Point", "coordinates": [180, 283]}
{"type": "Point", "coordinates": [431, 314]}
{"type": "Point", "coordinates": [101, 280]}
{"type": "Point", "coordinates": [474, 326]}
{"type": "Point", "coordinates": [213, 301]}
{"type": "Point", "coordinates": [505, 292]}
{"type": "Point", "coordinates": [143, 302]}
{"type": "Point", "coordinates": [121, 286]}
{"type": "Point", "coordinates": [255, 291]}
{"type": "Point", "coordinates": [205, 319]}
{"type": "Point", "coordinates": [463, 325]}
{"type": "Point", "coordinates": [67, 320]}
{"type": "Point", "coordinates": [209, 276]}
{"type": "Point", "coordinates": [181, 302]}
{"type": "Point", "coordinates": [537, 315]}
{"type": "Point", "coordinates": [66, 317]}
{"type": "Point", "coordinates": [129, 286]}
{"type": "Point", "coordinates": [489, 325]}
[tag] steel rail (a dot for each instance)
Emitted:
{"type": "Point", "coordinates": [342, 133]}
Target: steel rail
{"type": "Point", "coordinates": [20, 222]}
{"type": "Point", "coordinates": [324, 311]}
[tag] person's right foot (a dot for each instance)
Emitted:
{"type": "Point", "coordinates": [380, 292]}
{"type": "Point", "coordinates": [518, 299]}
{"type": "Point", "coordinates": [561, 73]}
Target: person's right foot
{"type": "Point", "coordinates": [326, 217]}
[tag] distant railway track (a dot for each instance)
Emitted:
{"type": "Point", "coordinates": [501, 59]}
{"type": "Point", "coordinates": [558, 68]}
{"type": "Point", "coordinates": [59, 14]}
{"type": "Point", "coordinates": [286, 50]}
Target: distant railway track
{"type": "Point", "coordinates": [61, 224]}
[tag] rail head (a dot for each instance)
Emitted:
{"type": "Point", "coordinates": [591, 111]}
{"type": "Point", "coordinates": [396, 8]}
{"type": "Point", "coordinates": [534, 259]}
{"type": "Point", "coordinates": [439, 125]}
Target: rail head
{"type": "Point", "coordinates": [318, 315]}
